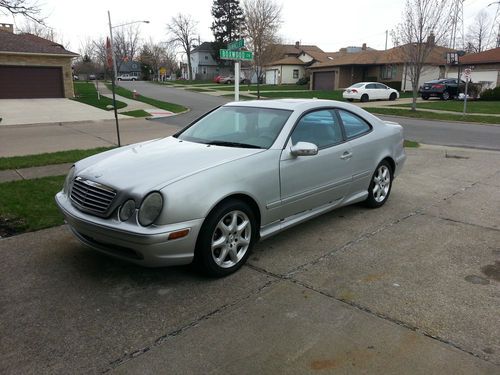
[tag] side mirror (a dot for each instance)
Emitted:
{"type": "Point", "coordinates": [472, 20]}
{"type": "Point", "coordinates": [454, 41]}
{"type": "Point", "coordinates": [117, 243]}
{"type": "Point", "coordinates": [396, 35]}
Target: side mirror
{"type": "Point", "coordinates": [304, 149]}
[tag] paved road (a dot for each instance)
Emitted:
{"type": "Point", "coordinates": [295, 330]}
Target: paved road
{"type": "Point", "coordinates": [196, 102]}
{"type": "Point", "coordinates": [410, 288]}
{"type": "Point", "coordinates": [424, 131]}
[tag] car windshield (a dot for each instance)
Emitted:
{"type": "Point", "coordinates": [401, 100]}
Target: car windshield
{"type": "Point", "coordinates": [233, 126]}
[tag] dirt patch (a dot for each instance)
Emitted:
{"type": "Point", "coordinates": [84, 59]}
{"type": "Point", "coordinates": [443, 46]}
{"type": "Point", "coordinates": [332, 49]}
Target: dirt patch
{"type": "Point", "coordinates": [10, 227]}
{"type": "Point", "coordinates": [492, 271]}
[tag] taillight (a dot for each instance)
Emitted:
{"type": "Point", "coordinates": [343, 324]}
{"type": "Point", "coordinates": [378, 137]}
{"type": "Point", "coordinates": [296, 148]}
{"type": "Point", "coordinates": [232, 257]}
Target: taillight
{"type": "Point", "coordinates": [354, 91]}
{"type": "Point", "coordinates": [437, 86]}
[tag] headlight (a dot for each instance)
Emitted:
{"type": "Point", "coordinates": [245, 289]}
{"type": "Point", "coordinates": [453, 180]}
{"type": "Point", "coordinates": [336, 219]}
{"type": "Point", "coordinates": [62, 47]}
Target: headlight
{"type": "Point", "coordinates": [127, 210]}
{"type": "Point", "coordinates": [69, 180]}
{"type": "Point", "coordinates": [150, 209]}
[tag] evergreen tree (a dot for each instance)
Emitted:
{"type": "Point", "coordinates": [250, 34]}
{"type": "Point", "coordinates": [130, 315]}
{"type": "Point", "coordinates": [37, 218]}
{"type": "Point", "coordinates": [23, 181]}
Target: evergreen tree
{"type": "Point", "coordinates": [226, 27]}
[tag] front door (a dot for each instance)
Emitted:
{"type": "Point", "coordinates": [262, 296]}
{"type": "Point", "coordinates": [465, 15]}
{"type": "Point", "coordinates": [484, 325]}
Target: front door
{"type": "Point", "coordinates": [311, 181]}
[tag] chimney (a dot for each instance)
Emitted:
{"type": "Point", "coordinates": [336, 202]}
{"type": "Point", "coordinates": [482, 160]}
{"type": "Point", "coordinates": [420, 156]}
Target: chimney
{"type": "Point", "coordinates": [431, 39]}
{"type": "Point", "coordinates": [7, 27]}
{"type": "Point", "coordinates": [297, 44]}
{"type": "Point", "coordinates": [363, 47]}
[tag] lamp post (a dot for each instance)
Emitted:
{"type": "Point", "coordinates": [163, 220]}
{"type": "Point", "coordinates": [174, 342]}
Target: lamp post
{"type": "Point", "coordinates": [115, 73]}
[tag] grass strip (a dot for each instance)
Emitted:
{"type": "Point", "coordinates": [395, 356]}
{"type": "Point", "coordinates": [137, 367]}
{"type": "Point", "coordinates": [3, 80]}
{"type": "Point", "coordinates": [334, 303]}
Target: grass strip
{"type": "Point", "coordinates": [136, 113]}
{"type": "Point", "coordinates": [60, 157]}
{"type": "Point", "coordinates": [176, 108]}
{"type": "Point", "coordinates": [86, 93]}
{"type": "Point", "coordinates": [319, 94]}
{"type": "Point", "coordinates": [246, 97]}
{"type": "Point", "coordinates": [411, 144]}
{"type": "Point", "coordinates": [473, 107]}
{"type": "Point", "coordinates": [29, 205]}
{"type": "Point", "coordinates": [434, 115]}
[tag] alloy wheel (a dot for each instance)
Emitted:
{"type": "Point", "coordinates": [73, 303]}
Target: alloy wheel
{"type": "Point", "coordinates": [381, 183]}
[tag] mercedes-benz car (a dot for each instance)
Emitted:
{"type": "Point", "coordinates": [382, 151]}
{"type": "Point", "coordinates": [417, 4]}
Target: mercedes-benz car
{"type": "Point", "coordinates": [242, 172]}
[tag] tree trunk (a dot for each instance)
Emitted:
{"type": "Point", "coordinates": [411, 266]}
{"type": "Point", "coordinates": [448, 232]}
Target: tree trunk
{"type": "Point", "coordinates": [190, 71]}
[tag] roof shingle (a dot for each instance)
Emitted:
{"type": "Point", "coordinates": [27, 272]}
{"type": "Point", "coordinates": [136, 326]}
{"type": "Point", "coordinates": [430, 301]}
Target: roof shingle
{"type": "Point", "coordinates": [28, 43]}
{"type": "Point", "coordinates": [491, 56]}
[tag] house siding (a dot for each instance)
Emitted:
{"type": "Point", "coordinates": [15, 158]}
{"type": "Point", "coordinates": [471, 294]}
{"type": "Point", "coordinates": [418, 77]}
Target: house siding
{"type": "Point", "coordinates": [40, 60]}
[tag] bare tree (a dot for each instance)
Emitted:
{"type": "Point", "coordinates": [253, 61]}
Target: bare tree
{"type": "Point", "coordinates": [27, 8]}
{"type": "Point", "coordinates": [153, 55]}
{"type": "Point", "coordinates": [262, 23]}
{"type": "Point", "coordinates": [42, 31]}
{"type": "Point", "coordinates": [127, 41]}
{"type": "Point", "coordinates": [182, 30]}
{"type": "Point", "coordinates": [478, 32]}
{"type": "Point", "coordinates": [424, 25]}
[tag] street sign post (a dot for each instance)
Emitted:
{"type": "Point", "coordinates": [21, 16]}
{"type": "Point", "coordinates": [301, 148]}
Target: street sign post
{"type": "Point", "coordinates": [232, 53]}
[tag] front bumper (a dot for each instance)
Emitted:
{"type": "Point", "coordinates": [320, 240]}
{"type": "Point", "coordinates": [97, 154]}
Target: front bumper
{"type": "Point", "coordinates": [146, 246]}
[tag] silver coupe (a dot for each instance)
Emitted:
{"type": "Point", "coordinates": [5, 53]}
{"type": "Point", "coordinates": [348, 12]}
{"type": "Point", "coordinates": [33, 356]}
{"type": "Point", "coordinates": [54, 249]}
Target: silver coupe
{"type": "Point", "coordinates": [242, 172]}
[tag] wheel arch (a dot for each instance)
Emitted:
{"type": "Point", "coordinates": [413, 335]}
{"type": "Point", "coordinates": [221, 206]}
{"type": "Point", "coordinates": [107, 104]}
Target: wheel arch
{"type": "Point", "coordinates": [391, 162]}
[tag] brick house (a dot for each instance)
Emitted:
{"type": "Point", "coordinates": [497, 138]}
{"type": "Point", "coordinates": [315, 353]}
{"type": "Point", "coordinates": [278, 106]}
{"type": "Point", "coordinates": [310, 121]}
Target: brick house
{"type": "Point", "coordinates": [33, 67]}
{"type": "Point", "coordinates": [345, 67]}
{"type": "Point", "coordinates": [485, 67]}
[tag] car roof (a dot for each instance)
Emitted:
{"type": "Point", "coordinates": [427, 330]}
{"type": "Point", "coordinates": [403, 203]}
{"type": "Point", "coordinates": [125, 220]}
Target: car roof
{"type": "Point", "coordinates": [290, 104]}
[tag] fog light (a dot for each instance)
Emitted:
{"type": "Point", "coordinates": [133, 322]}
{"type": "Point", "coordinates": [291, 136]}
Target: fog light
{"type": "Point", "coordinates": [127, 210]}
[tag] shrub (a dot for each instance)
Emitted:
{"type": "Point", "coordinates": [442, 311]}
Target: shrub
{"type": "Point", "coordinates": [491, 94]}
{"type": "Point", "coordinates": [303, 81]}
{"type": "Point", "coordinates": [396, 85]}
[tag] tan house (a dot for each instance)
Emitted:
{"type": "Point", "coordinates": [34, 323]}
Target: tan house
{"type": "Point", "coordinates": [344, 68]}
{"type": "Point", "coordinates": [33, 67]}
{"type": "Point", "coordinates": [292, 62]}
{"type": "Point", "coordinates": [485, 67]}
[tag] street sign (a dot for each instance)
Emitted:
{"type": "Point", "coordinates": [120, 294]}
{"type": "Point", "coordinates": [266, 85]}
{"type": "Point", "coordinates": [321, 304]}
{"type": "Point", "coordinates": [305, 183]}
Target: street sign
{"type": "Point", "coordinates": [237, 44]}
{"type": "Point", "coordinates": [235, 55]}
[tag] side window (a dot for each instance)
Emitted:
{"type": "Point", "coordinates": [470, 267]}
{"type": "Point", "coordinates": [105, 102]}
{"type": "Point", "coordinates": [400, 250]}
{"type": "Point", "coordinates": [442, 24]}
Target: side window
{"type": "Point", "coordinates": [318, 127]}
{"type": "Point", "coordinates": [371, 86]}
{"type": "Point", "coordinates": [353, 125]}
{"type": "Point", "coordinates": [381, 86]}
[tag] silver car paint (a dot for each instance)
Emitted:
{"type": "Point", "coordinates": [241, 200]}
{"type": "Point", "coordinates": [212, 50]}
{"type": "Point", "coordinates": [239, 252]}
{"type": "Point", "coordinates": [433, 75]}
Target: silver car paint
{"type": "Point", "coordinates": [193, 178]}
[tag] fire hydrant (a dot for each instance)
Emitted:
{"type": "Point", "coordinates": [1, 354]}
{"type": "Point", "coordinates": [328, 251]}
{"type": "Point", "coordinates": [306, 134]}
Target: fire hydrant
{"type": "Point", "coordinates": [134, 94]}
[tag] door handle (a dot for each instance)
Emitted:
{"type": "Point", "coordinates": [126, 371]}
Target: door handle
{"type": "Point", "coordinates": [346, 155]}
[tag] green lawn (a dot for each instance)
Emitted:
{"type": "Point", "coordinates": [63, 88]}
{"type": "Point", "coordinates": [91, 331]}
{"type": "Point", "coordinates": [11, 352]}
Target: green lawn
{"type": "Point", "coordinates": [28, 205]}
{"type": "Point", "coordinates": [85, 92]}
{"type": "Point", "coordinates": [253, 87]}
{"type": "Point", "coordinates": [136, 113]}
{"type": "Point", "coordinates": [176, 108]}
{"type": "Point", "coordinates": [16, 162]}
{"type": "Point", "coordinates": [435, 115]}
{"type": "Point", "coordinates": [475, 106]}
{"type": "Point", "coordinates": [411, 144]}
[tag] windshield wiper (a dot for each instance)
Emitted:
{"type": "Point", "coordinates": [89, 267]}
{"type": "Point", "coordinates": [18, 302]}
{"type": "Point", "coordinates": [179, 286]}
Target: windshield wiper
{"type": "Point", "coordinates": [231, 144]}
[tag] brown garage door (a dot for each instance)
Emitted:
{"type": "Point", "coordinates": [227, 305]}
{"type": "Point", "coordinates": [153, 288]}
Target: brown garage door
{"type": "Point", "coordinates": [21, 82]}
{"type": "Point", "coordinates": [324, 81]}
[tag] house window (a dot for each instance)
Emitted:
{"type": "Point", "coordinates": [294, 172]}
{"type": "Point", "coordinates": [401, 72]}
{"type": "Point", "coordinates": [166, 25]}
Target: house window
{"type": "Point", "coordinates": [295, 73]}
{"type": "Point", "coordinates": [388, 72]}
{"type": "Point", "coordinates": [206, 57]}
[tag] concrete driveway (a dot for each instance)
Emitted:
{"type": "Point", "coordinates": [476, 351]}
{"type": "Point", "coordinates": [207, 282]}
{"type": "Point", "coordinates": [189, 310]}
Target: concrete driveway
{"type": "Point", "coordinates": [37, 111]}
{"type": "Point", "coordinates": [410, 288]}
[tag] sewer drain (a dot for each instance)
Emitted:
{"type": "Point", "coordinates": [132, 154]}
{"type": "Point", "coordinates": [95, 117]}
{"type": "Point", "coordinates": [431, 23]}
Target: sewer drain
{"type": "Point", "coordinates": [477, 280]}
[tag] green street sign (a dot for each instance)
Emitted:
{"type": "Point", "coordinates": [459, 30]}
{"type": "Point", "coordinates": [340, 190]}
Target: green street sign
{"type": "Point", "coordinates": [237, 44]}
{"type": "Point", "coordinates": [235, 55]}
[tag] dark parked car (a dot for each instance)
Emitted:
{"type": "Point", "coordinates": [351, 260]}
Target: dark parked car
{"type": "Point", "coordinates": [445, 89]}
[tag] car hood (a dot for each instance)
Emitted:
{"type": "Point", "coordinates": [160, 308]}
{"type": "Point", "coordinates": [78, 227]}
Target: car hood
{"type": "Point", "coordinates": [152, 165]}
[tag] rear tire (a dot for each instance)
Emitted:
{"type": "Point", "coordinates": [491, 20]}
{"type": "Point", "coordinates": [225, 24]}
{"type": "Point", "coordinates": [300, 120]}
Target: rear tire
{"type": "Point", "coordinates": [226, 239]}
{"type": "Point", "coordinates": [350, 100]}
{"type": "Point", "coordinates": [380, 185]}
{"type": "Point", "coordinates": [364, 98]}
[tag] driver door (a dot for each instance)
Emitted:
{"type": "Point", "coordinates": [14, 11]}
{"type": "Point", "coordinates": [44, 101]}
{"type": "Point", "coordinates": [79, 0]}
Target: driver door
{"type": "Point", "coordinates": [311, 181]}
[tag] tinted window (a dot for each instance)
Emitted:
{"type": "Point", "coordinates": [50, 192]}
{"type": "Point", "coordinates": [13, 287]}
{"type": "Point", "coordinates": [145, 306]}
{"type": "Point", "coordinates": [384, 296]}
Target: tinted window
{"type": "Point", "coordinates": [353, 125]}
{"type": "Point", "coordinates": [371, 86]}
{"type": "Point", "coordinates": [381, 86]}
{"type": "Point", "coordinates": [319, 127]}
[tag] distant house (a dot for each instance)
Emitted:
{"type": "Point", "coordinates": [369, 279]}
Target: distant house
{"type": "Point", "coordinates": [133, 68]}
{"type": "Point", "coordinates": [203, 65]}
{"type": "Point", "coordinates": [343, 68]}
{"type": "Point", "coordinates": [292, 62]}
{"type": "Point", "coordinates": [33, 67]}
{"type": "Point", "coordinates": [485, 67]}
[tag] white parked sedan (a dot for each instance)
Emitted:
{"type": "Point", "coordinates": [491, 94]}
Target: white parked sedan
{"type": "Point", "coordinates": [244, 171]}
{"type": "Point", "coordinates": [364, 91]}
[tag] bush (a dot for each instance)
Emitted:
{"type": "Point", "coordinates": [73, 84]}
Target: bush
{"type": "Point", "coordinates": [396, 85]}
{"type": "Point", "coordinates": [491, 94]}
{"type": "Point", "coordinates": [473, 90]}
{"type": "Point", "coordinates": [303, 81]}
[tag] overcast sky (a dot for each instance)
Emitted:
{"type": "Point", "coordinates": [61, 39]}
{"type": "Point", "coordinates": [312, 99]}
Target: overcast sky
{"type": "Point", "coordinates": [328, 24]}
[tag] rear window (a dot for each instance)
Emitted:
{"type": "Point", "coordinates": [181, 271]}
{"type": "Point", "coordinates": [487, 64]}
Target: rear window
{"type": "Point", "coordinates": [358, 85]}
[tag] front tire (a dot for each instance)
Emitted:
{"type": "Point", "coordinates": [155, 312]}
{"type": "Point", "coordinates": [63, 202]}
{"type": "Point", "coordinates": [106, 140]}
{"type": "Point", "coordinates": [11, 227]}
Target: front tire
{"type": "Point", "coordinates": [445, 95]}
{"type": "Point", "coordinates": [380, 185]}
{"type": "Point", "coordinates": [226, 239]}
{"type": "Point", "coordinates": [425, 97]}
{"type": "Point", "coordinates": [393, 96]}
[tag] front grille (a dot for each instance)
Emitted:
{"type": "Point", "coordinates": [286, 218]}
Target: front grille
{"type": "Point", "coordinates": [92, 196]}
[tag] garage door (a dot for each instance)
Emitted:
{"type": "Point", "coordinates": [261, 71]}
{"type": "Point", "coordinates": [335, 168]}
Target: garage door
{"type": "Point", "coordinates": [22, 82]}
{"type": "Point", "coordinates": [323, 81]}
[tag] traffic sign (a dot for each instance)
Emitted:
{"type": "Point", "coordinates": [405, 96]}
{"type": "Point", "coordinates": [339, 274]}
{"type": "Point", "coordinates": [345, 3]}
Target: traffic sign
{"type": "Point", "coordinates": [237, 44]}
{"type": "Point", "coordinates": [235, 55]}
